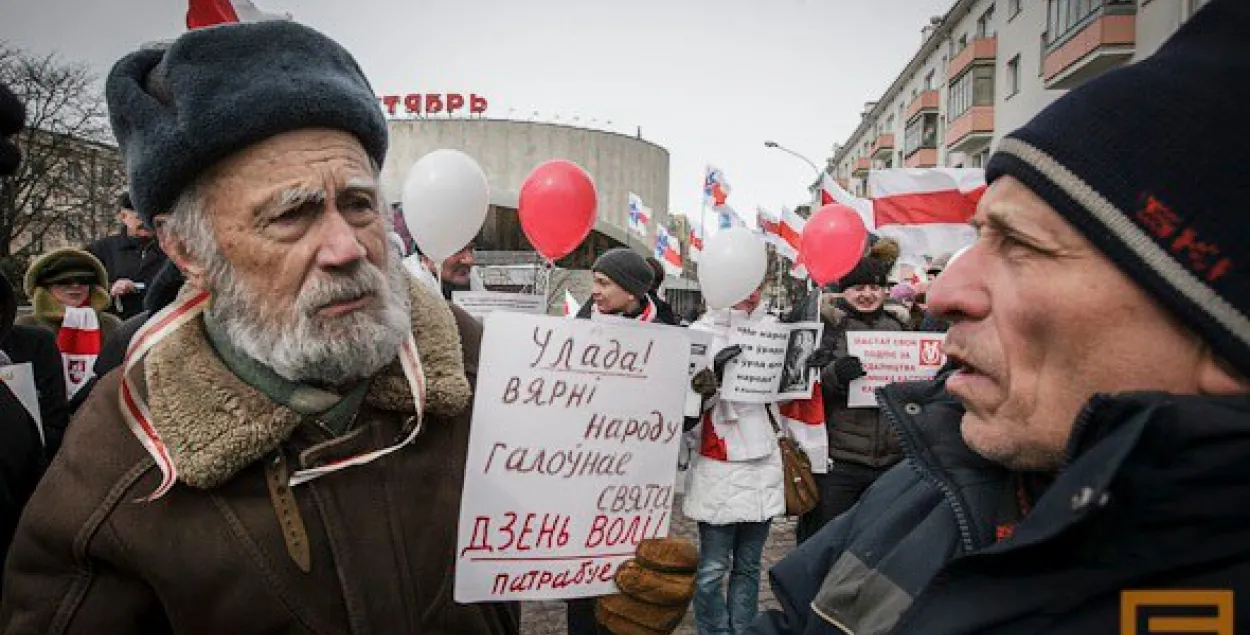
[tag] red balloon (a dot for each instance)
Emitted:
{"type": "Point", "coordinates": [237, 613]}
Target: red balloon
{"type": "Point", "coordinates": [557, 207]}
{"type": "Point", "coordinates": [833, 243]}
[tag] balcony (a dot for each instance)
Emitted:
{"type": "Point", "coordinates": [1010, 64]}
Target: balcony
{"type": "Point", "coordinates": [924, 102]}
{"type": "Point", "coordinates": [971, 131]}
{"type": "Point", "coordinates": [883, 145]}
{"type": "Point", "coordinates": [862, 167]}
{"type": "Point", "coordinates": [1103, 40]}
{"type": "Point", "coordinates": [979, 51]}
{"type": "Point", "coordinates": [922, 158]}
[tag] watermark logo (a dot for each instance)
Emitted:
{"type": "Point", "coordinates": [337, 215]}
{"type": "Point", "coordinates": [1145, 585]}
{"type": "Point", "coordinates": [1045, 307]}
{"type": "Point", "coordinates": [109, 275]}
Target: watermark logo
{"type": "Point", "coordinates": [1146, 612]}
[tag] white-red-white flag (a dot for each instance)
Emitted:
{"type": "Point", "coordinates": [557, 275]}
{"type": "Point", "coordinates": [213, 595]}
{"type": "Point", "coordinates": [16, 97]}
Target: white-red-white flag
{"type": "Point", "coordinates": [926, 210]}
{"type": "Point", "coordinates": [202, 13]}
{"type": "Point", "coordinates": [831, 192]}
{"type": "Point", "coordinates": [805, 420]}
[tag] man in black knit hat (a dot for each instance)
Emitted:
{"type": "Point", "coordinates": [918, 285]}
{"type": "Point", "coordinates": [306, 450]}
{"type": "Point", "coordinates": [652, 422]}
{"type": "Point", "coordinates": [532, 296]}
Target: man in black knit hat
{"type": "Point", "coordinates": [1094, 441]}
{"type": "Point", "coordinates": [622, 285]}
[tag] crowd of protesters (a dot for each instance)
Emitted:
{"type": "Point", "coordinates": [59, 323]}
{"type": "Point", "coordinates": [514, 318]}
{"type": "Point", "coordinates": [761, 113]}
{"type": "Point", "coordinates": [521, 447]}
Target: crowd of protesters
{"type": "Point", "coordinates": [1089, 435]}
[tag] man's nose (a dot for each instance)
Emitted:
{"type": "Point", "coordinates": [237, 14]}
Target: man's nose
{"type": "Point", "coordinates": [339, 245]}
{"type": "Point", "coordinates": [960, 291]}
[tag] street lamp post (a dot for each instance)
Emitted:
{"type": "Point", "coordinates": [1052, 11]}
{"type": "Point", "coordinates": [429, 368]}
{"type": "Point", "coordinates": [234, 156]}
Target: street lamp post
{"type": "Point", "coordinates": [815, 195]}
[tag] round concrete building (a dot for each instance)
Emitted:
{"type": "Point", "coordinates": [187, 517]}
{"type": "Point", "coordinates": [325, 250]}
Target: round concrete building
{"type": "Point", "coordinates": [509, 150]}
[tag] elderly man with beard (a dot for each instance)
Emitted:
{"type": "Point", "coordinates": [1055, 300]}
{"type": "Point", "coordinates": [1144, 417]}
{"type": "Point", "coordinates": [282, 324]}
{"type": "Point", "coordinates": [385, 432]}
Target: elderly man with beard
{"type": "Point", "coordinates": [288, 460]}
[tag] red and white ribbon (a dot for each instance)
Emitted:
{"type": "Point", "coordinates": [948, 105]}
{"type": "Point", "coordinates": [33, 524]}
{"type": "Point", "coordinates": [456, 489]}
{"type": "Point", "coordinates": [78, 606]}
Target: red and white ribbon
{"type": "Point", "coordinates": [139, 418]}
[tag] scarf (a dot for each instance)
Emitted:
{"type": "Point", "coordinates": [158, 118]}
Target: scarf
{"type": "Point", "coordinates": [79, 341]}
{"type": "Point", "coordinates": [646, 313]}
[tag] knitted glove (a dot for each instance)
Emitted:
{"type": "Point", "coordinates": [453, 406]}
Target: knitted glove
{"type": "Point", "coordinates": [848, 369]}
{"type": "Point", "coordinates": [704, 382]}
{"type": "Point", "coordinates": [724, 356]}
{"type": "Point", "coordinates": [656, 589]}
{"type": "Point", "coordinates": [820, 357]}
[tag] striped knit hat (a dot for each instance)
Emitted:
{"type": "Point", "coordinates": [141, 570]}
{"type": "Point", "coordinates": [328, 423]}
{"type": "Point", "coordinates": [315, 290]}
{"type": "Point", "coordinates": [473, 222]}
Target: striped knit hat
{"type": "Point", "coordinates": [1143, 162]}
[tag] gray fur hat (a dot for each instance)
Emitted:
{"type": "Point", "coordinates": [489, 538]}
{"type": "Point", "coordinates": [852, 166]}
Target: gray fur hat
{"type": "Point", "coordinates": [177, 111]}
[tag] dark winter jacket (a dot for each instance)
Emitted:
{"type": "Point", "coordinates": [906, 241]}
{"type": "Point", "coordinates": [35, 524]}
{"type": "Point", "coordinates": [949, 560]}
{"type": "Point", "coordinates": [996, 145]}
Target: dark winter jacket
{"type": "Point", "coordinates": [21, 450]}
{"type": "Point", "coordinates": [1152, 497]}
{"type": "Point", "coordinates": [37, 346]}
{"type": "Point", "coordinates": [139, 261]}
{"type": "Point", "coordinates": [857, 435]}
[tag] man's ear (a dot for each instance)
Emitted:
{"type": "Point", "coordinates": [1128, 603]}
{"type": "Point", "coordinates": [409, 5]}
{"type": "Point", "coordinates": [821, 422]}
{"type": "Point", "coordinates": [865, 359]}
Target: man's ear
{"type": "Point", "coordinates": [176, 249]}
{"type": "Point", "coordinates": [1218, 377]}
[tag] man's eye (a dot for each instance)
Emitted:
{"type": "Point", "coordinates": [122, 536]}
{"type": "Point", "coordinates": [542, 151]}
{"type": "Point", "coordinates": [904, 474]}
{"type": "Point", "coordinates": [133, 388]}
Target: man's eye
{"type": "Point", "coordinates": [358, 204]}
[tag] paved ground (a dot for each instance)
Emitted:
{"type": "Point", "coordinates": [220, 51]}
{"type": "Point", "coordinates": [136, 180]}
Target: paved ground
{"type": "Point", "coordinates": [547, 618]}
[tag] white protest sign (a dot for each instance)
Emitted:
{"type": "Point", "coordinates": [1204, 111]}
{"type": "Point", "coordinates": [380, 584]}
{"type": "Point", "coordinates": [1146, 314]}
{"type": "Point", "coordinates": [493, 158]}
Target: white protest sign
{"type": "Point", "coordinates": [773, 363]}
{"type": "Point", "coordinates": [892, 356]}
{"type": "Point", "coordinates": [480, 303]}
{"type": "Point", "coordinates": [20, 378]}
{"type": "Point", "coordinates": [572, 455]}
{"type": "Point", "coordinates": [700, 354]}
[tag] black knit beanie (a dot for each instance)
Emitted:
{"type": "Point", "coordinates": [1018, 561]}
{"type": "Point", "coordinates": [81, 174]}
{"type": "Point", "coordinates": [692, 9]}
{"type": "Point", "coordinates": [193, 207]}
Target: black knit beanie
{"type": "Point", "coordinates": [1142, 161]}
{"type": "Point", "coordinates": [627, 269]}
{"type": "Point", "coordinates": [868, 271]}
{"type": "Point", "coordinates": [217, 90]}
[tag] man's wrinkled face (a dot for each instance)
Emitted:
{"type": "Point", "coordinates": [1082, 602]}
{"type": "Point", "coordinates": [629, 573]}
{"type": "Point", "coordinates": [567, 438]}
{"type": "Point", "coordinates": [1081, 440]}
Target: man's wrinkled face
{"type": "Point", "coordinates": [610, 297]}
{"type": "Point", "coordinates": [1040, 322]}
{"type": "Point", "coordinates": [306, 284]}
{"type": "Point", "coordinates": [134, 224]}
{"type": "Point", "coordinates": [866, 298]}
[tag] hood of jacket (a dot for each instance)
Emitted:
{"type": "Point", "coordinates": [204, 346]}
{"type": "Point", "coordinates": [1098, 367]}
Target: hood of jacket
{"type": "Point", "coordinates": [214, 424]}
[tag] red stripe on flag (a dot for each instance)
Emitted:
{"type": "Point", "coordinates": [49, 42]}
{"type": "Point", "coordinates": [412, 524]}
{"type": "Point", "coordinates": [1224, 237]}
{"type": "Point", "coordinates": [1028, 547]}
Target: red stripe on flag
{"type": "Point", "coordinates": [949, 206]}
{"type": "Point", "coordinates": [202, 13]}
{"type": "Point", "coordinates": [825, 197]}
{"type": "Point", "coordinates": [788, 234]}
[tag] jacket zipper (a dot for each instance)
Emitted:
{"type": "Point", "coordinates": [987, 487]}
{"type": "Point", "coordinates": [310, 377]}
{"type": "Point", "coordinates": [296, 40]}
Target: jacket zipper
{"type": "Point", "coordinates": [1078, 429]}
{"type": "Point", "coordinates": [833, 622]}
{"type": "Point", "coordinates": [910, 443]}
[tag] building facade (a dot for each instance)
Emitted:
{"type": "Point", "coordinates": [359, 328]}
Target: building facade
{"type": "Point", "coordinates": [509, 150]}
{"type": "Point", "coordinates": [986, 67]}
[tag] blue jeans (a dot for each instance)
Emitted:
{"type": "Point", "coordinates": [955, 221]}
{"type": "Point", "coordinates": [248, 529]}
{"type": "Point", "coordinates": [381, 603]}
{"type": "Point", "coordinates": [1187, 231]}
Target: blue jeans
{"type": "Point", "coordinates": [734, 550]}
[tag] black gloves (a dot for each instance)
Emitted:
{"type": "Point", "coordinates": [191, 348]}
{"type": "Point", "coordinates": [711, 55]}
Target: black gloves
{"type": "Point", "coordinates": [724, 356]}
{"type": "Point", "coordinates": [820, 357]}
{"type": "Point", "coordinates": [848, 369]}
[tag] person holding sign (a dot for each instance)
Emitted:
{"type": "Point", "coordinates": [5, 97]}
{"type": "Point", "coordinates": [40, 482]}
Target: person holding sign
{"type": "Point", "coordinates": [283, 449]}
{"type": "Point", "coordinates": [622, 282]}
{"type": "Point", "coordinates": [734, 486]}
{"type": "Point", "coordinates": [861, 446]}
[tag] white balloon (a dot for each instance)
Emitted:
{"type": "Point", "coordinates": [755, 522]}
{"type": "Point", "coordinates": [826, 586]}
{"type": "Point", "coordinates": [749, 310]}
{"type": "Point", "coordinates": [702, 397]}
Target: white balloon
{"type": "Point", "coordinates": [445, 202]}
{"type": "Point", "coordinates": [731, 267]}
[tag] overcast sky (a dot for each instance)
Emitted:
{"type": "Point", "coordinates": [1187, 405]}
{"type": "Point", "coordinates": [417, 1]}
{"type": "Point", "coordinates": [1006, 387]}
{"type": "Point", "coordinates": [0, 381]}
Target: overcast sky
{"type": "Point", "coordinates": [710, 80]}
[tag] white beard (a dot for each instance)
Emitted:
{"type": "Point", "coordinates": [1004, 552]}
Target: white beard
{"type": "Point", "coordinates": [303, 347]}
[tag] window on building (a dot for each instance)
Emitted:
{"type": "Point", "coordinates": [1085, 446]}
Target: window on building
{"type": "Point", "coordinates": [1065, 16]}
{"type": "Point", "coordinates": [1013, 9]}
{"type": "Point", "coordinates": [973, 88]}
{"type": "Point", "coordinates": [889, 125]}
{"type": "Point", "coordinates": [961, 44]}
{"type": "Point", "coordinates": [985, 23]}
{"type": "Point", "coordinates": [928, 80]}
{"type": "Point", "coordinates": [922, 133]}
{"type": "Point", "coordinates": [1013, 75]}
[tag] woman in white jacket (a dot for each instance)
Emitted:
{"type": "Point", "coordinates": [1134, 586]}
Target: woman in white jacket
{"type": "Point", "coordinates": [734, 489]}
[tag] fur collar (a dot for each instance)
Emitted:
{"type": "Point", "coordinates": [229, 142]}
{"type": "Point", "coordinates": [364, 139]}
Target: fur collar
{"type": "Point", "coordinates": [215, 425]}
{"type": "Point", "coordinates": [833, 315]}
